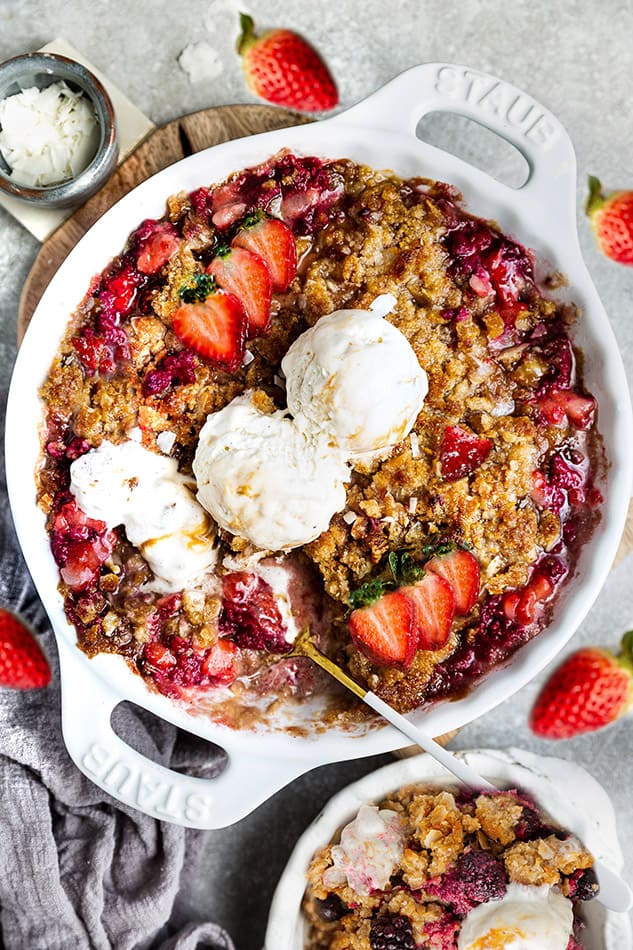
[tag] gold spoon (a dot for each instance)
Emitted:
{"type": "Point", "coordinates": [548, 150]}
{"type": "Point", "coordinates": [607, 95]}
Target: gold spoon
{"type": "Point", "coordinates": [304, 646]}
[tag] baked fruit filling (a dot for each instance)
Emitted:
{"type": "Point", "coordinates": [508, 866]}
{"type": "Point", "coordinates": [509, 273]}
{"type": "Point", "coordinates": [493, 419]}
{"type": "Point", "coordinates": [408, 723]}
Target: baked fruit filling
{"type": "Point", "coordinates": [434, 870]}
{"type": "Point", "coordinates": [317, 393]}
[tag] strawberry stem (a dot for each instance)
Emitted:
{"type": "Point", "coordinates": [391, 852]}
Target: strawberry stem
{"type": "Point", "coordinates": [595, 199]}
{"type": "Point", "coordinates": [247, 36]}
{"type": "Point", "coordinates": [251, 220]}
{"type": "Point", "coordinates": [625, 657]}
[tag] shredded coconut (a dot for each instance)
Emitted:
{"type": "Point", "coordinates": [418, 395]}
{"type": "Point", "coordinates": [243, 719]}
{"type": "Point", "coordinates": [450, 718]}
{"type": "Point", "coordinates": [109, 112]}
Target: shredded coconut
{"type": "Point", "coordinates": [413, 504]}
{"type": "Point", "coordinates": [165, 441]}
{"type": "Point", "coordinates": [201, 62]}
{"type": "Point", "coordinates": [350, 517]}
{"type": "Point", "coordinates": [48, 135]}
{"type": "Point", "coordinates": [415, 445]}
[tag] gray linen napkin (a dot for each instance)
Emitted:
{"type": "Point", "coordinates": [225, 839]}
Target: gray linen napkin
{"type": "Point", "coordinates": [78, 870]}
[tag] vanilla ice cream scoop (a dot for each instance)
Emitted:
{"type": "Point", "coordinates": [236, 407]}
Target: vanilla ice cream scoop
{"type": "Point", "coordinates": [129, 485]}
{"type": "Point", "coordinates": [264, 479]}
{"type": "Point", "coordinates": [371, 848]}
{"type": "Point", "coordinates": [526, 918]}
{"type": "Point", "coordinates": [355, 376]}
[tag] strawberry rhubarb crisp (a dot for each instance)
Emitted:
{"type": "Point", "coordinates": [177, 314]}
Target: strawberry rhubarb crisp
{"type": "Point", "coordinates": [434, 870]}
{"type": "Point", "coordinates": [317, 393]}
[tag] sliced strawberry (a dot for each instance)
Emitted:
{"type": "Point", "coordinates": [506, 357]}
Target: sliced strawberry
{"type": "Point", "coordinates": [384, 631]}
{"type": "Point", "coordinates": [434, 608]}
{"type": "Point", "coordinates": [480, 284]}
{"type": "Point", "coordinates": [157, 249]}
{"type": "Point", "coordinates": [542, 586]}
{"type": "Point", "coordinates": [511, 601]}
{"type": "Point", "coordinates": [219, 663]}
{"type": "Point", "coordinates": [511, 272]}
{"type": "Point", "coordinates": [118, 291]}
{"type": "Point", "coordinates": [227, 204]}
{"type": "Point", "coordinates": [556, 405]}
{"type": "Point", "coordinates": [461, 452]}
{"type": "Point", "coordinates": [159, 656]}
{"type": "Point", "coordinates": [461, 570]}
{"type": "Point", "coordinates": [580, 410]}
{"type": "Point", "coordinates": [82, 565]}
{"type": "Point", "coordinates": [244, 274]}
{"type": "Point", "coordinates": [275, 243]}
{"type": "Point", "coordinates": [530, 600]}
{"type": "Point", "coordinates": [545, 493]}
{"type": "Point", "coordinates": [214, 328]}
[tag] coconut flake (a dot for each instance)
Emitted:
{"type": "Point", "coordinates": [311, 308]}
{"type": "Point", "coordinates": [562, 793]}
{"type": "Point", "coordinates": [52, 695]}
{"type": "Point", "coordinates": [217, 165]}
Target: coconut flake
{"type": "Point", "coordinates": [47, 135]}
{"type": "Point", "coordinates": [201, 62]}
{"type": "Point", "coordinates": [383, 304]}
{"type": "Point", "coordinates": [248, 358]}
{"type": "Point", "coordinates": [415, 445]}
{"type": "Point", "coordinates": [413, 504]}
{"type": "Point", "coordinates": [350, 517]}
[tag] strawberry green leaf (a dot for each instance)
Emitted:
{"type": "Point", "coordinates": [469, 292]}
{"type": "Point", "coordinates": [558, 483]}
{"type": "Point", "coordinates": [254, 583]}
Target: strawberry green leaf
{"type": "Point", "coordinates": [368, 593]}
{"type": "Point", "coordinates": [625, 657]}
{"type": "Point", "coordinates": [404, 568]}
{"type": "Point", "coordinates": [247, 36]}
{"type": "Point", "coordinates": [437, 550]}
{"type": "Point", "coordinates": [595, 198]}
{"type": "Point", "coordinates": [198, 288]}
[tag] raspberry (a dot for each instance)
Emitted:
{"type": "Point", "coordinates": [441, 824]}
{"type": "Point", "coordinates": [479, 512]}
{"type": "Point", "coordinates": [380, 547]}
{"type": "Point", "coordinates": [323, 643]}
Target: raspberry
{"type": "Point", "coordinates": [583, 885]}
{"type": "Point", "coordinates": [391, 932]}
{"type": "Point", "coordinates": [442, 932]}
{"type": "Point", "coordinates": [177, 369]}
{"type": "Point", "coordinates": [250, 614]}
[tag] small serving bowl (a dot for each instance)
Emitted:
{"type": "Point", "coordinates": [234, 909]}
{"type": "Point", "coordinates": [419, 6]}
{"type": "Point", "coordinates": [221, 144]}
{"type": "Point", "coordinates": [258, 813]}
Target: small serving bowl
{"type": "Point", "coordinates": [565, 791]}
{"type": "Point", "coordinates": [41, 70]}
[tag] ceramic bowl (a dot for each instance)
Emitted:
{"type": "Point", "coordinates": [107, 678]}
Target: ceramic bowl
{"type": "Point", "coordinates": [567, 792]}
{"type": "Point", "coordinates": [41, 70]}
{"type": "Point", "coordinates": [380, 132]}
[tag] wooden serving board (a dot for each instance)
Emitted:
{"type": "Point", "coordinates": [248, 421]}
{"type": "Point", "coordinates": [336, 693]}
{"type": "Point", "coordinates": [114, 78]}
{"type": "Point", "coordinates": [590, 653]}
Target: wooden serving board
{"type": "Point", "coordinates": [163, 147]}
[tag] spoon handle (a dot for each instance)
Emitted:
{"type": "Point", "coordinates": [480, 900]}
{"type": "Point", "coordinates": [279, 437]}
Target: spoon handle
{"type": "Point", "coordinates": [457, 766]}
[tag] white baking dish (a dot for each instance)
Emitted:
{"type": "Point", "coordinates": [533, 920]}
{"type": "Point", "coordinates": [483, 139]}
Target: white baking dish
{"type": "Point", "coordinates": [381, 132]}
{"type": "Point", "coordinates": [567, 792]}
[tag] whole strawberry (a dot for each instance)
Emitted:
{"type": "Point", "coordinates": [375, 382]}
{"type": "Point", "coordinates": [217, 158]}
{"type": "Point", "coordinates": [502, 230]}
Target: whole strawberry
{"type": "Point", "coordinates": [612, 221]}
{"type": "Point", "coordinates": [591, 689]}
{"type": "Point", "coordinates": [22, 663]}
{"type": "Point", "coordinates": [281, 67]}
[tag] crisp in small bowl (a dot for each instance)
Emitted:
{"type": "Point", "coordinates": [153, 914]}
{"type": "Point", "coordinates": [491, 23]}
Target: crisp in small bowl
{"type": "Point", "coordinates": [565, 791]}
{"type": "Point", "coordinates": [41, 70]}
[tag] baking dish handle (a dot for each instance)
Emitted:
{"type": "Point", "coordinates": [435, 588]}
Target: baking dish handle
{"type": "Point", "coordinates": [140, 783]}
{"type": "Point", "coordinates": [494, 104]}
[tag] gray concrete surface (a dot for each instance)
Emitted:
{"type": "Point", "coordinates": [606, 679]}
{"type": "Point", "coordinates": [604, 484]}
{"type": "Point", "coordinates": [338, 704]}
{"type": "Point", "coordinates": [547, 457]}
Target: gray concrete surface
{"type": "Point", "coordinates": [576, 58]}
